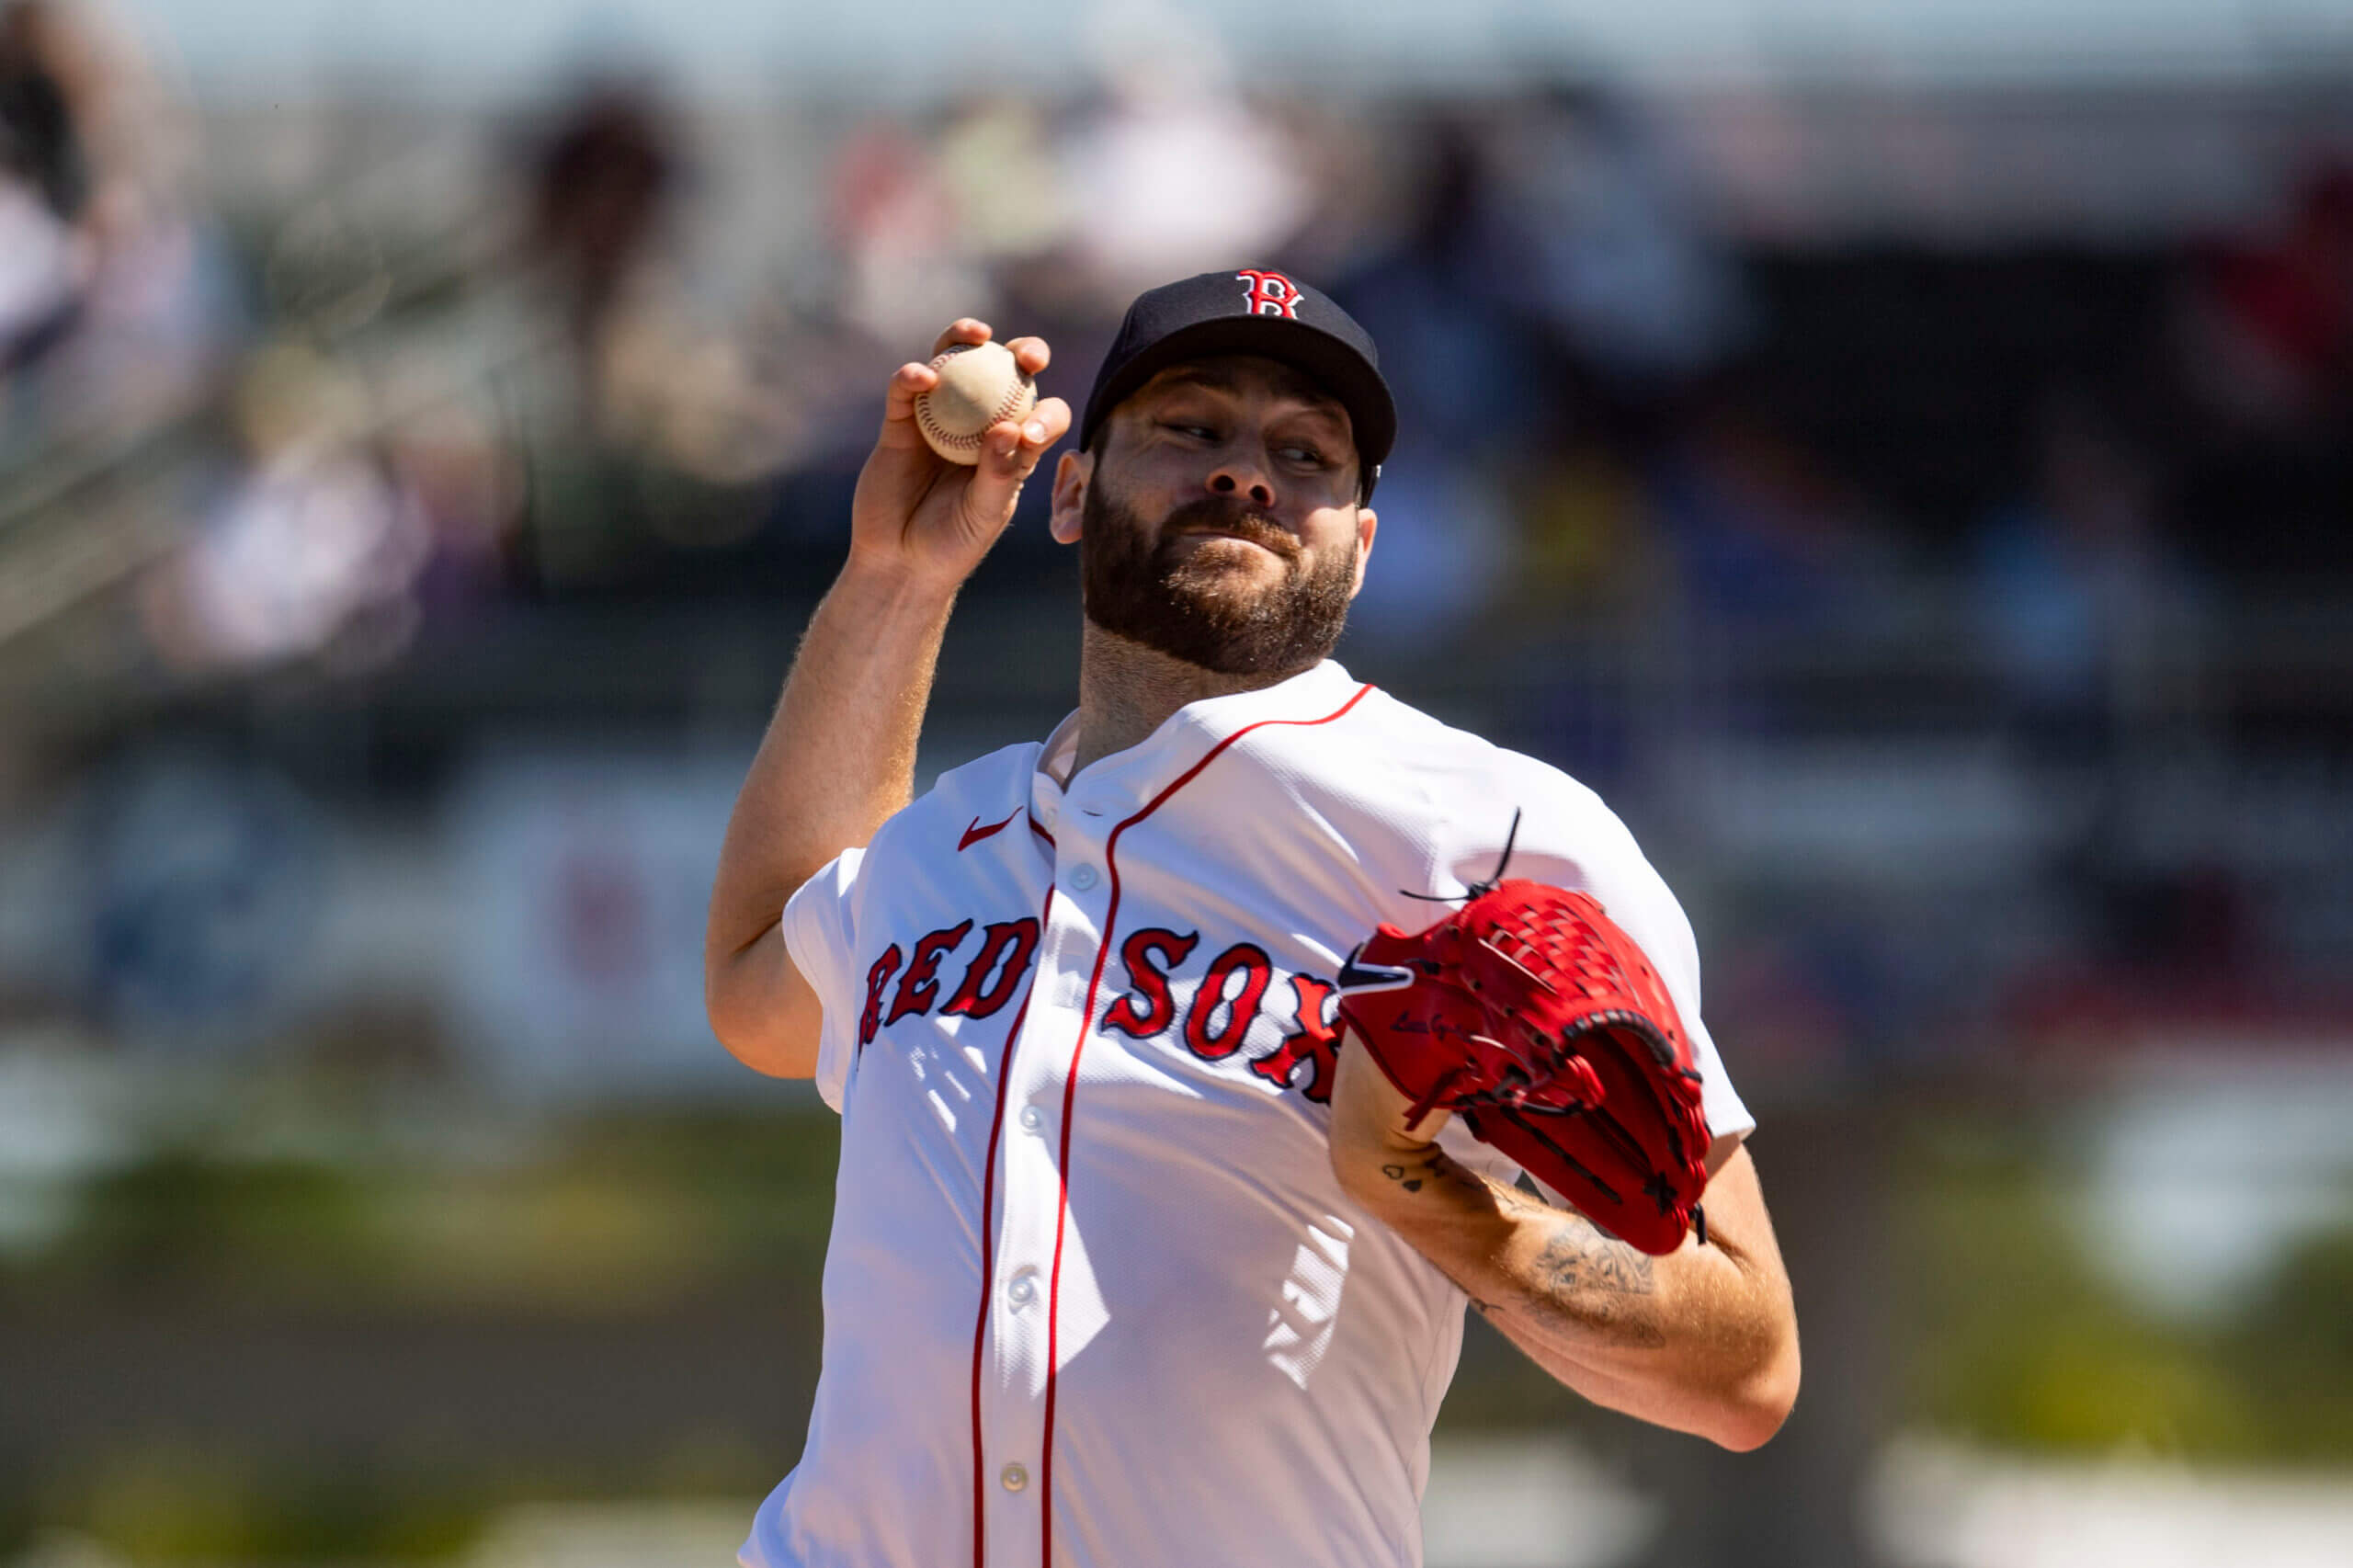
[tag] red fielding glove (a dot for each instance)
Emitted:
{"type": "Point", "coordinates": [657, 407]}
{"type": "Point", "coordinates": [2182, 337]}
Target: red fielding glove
{"type": "Point", "coordinates": [1532, 1016]}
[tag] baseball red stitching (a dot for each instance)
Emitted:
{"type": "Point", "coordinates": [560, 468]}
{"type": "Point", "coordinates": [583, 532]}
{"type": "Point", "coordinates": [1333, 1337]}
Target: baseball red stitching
{"type": "Point", "coordinates": [940, 434]}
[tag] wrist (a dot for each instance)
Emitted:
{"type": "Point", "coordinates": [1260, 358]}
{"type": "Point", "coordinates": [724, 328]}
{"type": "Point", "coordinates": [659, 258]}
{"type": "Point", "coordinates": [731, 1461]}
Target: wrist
{"type": "Point", "coordinates": [1386, 1172]}
{"type": "Point", "coordinates": [1379, 1159]}
{"type": "Point", "coordinates": [886, 583]}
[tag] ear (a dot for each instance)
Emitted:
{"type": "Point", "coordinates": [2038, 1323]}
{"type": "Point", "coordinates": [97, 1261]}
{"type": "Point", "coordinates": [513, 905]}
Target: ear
{"type": "Point", "coordinates": [1072, 474]}
{"type": "Point", "coordinates": [1367, 524]}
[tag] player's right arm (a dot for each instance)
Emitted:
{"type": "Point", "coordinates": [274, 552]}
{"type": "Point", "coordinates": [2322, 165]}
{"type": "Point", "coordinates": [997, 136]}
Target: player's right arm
{"type": "Point", "coordinates": [838, 757]}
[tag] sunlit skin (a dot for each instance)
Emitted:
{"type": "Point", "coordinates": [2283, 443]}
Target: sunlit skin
{"type": "Point", "coordinates": [1244, 429]}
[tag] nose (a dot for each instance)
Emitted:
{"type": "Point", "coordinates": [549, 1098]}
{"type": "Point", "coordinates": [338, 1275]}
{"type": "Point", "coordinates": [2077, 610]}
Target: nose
{"type": "Point", "coordinates": [1239, 476]}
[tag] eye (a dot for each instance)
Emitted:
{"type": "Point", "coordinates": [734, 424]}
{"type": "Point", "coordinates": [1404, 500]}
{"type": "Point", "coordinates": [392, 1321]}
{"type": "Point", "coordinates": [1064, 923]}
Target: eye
{"type": "Point", "coordinates": [1198, 432]}
{"type": "Point", "coordinates": [1305, 455]}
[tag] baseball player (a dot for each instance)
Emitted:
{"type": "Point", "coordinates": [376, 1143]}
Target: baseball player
{"type": "Point", "coordinates": [1150, 1245]}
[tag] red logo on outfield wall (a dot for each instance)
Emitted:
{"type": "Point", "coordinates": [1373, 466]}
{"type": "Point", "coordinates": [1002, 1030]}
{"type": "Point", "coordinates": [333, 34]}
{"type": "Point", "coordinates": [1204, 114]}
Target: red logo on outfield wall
{"type": "Point", "coordinates": [1272, 294]}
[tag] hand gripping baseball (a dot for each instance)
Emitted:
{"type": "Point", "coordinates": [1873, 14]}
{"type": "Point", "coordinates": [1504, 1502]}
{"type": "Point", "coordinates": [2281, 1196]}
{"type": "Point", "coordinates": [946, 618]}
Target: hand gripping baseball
{"type": "Point", "coordinates": [914, 511]}
{"type": "Point", "coordinates": [1532, 1015]}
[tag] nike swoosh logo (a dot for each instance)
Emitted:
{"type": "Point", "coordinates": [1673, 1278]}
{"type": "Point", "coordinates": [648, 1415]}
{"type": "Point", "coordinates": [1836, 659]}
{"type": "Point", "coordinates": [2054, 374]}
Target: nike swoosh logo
{"type": "Point", "coordinates": [1357, 976]}
{"type": "Point", "coordinates": [975, 833]}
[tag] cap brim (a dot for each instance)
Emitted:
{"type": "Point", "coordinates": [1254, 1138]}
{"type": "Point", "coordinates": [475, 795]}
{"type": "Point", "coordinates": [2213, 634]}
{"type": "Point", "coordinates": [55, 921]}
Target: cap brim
{"type": "Point", "coordinates": [1330, 361]}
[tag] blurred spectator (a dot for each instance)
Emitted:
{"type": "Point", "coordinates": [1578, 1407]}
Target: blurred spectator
{"type": "Point", "coordinates": [1468, 368]}
{"type": "Point", "coordinates": [43, 267]}
{"type": "Point", "coordinates": [1172, 171]}
{"type": "Point", "coordinates": [1472, 385]}
{"type": "Point", "coordinates": [643, 426]}
{"type": "Point", "coordinates": [2073, 591]}
{"type": "Point", "coordinates": [38, 130]}
{"type": "Point", "coordinates": [313, 547]}
{"type": "Point", "coordinates": [602, 194]}
{"type": "Point", "coordinates": [1593, 234]}
{"type": "Point", "coordinates": [893, 221]}
{"type": "Point", "coordinates": [1552, 298]}
{"type": "Point", "coordinates": [1765, 537]}
{"type": "Point", "coordinates": [448, 459]}
{"type": "Point", "coordinates": [2270, 327]}
{"type": "Point", "coordinates": [2265, 338]}
{"type": "Point", "coordinates": [45, 258]}
{"type": "Point", "coordinates": [108, 285]}
{"type": "Point", "coordinates": [995, 163]}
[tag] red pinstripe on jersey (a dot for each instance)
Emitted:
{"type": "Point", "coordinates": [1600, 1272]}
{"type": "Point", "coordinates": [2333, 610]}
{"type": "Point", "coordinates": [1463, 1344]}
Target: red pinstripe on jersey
{"type": "Point", "coordinates": [988, 1246]}
{"type": "Point", "coordinates": [1070, 1094]}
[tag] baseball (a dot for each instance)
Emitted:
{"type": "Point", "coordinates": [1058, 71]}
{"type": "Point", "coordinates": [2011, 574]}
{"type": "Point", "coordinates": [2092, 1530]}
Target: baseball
{"type": "Point", "coordinates": [980, 385]}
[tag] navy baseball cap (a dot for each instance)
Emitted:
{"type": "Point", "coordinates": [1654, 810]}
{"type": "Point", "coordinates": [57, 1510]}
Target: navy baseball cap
{"type": "Point", "coordinates": [1251, 310]}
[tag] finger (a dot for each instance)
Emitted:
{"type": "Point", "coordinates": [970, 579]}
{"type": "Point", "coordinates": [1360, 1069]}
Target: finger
{"type": "Point", "coordinates": [1008, 456]}
{"type": "Point", "coordinates": [1007, 447]}
{"type": "Point", "coordinates": [1031, 354]}
{"type": "Point", "coordinates": [908, 383]}
{"type": "Point", "coordinates": [1048, 422]}
{"type": "Point", "coordinates": [963, 329]}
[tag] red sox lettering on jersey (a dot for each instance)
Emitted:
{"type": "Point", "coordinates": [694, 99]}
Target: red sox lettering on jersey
{"type": "Point", "coordinates": [1080, 1030]}
{"type": "Point", "coordinates": [1218, 1011]}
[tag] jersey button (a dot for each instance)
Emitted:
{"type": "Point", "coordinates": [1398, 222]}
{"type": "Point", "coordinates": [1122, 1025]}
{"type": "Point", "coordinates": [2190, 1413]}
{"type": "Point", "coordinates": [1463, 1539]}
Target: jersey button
{"type": "Point", "coordinates": [1032, 1120]}
{"type": "Point", "coordinates": [1014, 1477]}
{"type": "Point", "coordinates": [1024, 1288]}
{"type": "Point", "coordinates": [1082, 876]}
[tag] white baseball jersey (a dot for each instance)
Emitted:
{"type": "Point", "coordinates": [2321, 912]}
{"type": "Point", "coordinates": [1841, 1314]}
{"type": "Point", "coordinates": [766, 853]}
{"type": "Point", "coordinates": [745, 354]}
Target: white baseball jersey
{"type": "Point", "coordinates": [1093, 1297]}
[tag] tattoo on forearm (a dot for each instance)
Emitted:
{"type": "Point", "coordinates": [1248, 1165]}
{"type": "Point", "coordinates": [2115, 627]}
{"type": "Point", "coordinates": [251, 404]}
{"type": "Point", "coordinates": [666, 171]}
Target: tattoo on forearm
{"type": "Point", "coordinates": [1578, 1256]}
{"type": "Point", "coordinates": [1595, 1286]}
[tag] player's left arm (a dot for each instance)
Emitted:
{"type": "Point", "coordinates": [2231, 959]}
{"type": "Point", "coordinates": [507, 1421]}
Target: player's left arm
{"type": "Point", "coordinates": [1703, 1340]}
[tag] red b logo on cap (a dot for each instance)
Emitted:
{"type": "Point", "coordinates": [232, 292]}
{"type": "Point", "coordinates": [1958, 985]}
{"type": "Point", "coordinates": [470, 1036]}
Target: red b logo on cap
{"type": "Point", "coordinates": [1272, 294]}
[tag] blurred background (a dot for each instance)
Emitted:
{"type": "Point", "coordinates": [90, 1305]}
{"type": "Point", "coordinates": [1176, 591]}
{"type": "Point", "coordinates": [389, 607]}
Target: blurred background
{"type": "Point", "coordinates": [1901, 454]}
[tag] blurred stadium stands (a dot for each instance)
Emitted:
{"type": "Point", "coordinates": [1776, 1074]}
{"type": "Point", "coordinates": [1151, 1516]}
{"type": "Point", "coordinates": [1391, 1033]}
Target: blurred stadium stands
{"type": "Point", "coordinates": [1910, 474]}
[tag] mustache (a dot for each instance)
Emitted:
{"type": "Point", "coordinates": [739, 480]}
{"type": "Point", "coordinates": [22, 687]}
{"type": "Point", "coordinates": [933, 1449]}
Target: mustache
{"type": "Point", "coordinates": [1219, 514]}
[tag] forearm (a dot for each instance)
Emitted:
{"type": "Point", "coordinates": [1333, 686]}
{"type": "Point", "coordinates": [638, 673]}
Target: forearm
{"type": "Point", "coordinates": [838, 757]}
{"type": "Point", "coordinates": [1702, 1340]}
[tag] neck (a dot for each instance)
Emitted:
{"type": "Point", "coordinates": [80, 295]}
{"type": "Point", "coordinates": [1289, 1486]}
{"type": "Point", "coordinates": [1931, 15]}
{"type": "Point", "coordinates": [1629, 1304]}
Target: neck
{"type": "Point", "coordinates": [1127, 691]}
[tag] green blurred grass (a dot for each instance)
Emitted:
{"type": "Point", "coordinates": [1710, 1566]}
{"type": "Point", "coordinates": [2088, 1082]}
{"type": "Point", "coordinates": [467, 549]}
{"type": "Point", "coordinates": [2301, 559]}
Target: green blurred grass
{"type": "Point", "coordinates": [2007, 1335]}
{"type": "Point", "coordinates": [2000, 1331]}
{"type": "Point", "coordinates": [616, 1214]}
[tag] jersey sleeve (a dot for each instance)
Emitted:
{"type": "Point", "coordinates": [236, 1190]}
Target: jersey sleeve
{"type": "Point", "coordinates": [1569, 838]}
{"type": "Point", "coordinates": [817, 933]}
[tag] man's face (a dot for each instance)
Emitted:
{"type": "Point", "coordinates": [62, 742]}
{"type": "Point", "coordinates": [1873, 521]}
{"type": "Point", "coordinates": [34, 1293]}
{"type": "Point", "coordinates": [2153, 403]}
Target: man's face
{"type": "Point", "coordinates": [1217, 523]}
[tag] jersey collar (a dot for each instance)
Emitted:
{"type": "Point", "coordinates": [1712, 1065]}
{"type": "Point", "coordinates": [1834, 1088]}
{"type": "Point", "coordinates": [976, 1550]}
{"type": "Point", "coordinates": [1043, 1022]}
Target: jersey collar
{"type": "Point", "coordinates": [1126, 779]}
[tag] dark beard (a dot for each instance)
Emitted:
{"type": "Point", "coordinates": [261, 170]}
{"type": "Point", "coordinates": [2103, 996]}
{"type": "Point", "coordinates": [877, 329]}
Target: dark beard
{"type": "Point", "coordinates": [1137, 588]}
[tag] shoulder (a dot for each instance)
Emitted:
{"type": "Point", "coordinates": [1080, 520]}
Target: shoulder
{"type": "Point", "coordinates": [1430, 775]}
{"type": "Point", "coordinates": [1003, 772]}
{"type": "Point", "coordinates": [1486, 811]}
{"type": "Point", "coordinates": [988, 787]}
{"type": "Point", "coordinates": [1376, 729]}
